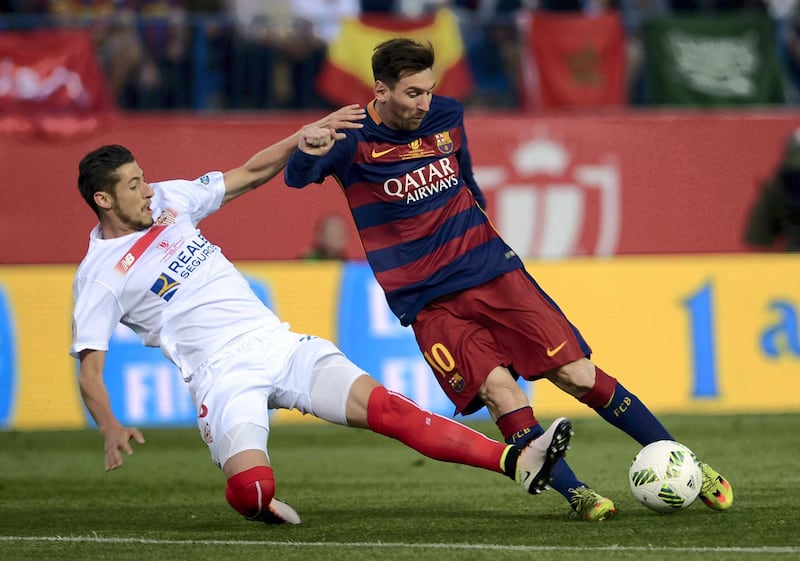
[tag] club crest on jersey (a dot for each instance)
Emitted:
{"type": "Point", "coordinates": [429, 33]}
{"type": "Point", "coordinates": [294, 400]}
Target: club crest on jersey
{"type": "Point", "coordinates": [165, 287]}
{"type": "Point", "coordinates": [167, 216]}
{"type": "Point", "coordinates": [205, 180]}
{"type": "Point", "coordinates": [443, 142]}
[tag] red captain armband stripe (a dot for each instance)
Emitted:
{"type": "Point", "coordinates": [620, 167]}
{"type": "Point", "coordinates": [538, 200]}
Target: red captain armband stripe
{"type": "Point", "coordinates": [129, 259]}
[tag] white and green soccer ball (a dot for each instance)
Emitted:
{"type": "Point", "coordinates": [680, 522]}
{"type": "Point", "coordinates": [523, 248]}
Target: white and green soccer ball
{"type": "Point", "coordinates": [665, 476]}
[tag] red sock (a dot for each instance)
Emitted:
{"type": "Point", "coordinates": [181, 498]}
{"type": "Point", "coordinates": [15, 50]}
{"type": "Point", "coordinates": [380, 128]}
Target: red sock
{"type": "Point", "coordinates": [601, 393]}
{"type": "Point", "coordinates": [394, 415]}
{"type": "Point", "coordinates": [249, 492]}
{"type": "Point", "coordinates": [517, 426]}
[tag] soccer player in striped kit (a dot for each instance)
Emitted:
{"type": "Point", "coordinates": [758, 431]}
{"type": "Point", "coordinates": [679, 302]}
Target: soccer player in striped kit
{"type": "Point", "coordinates": [150, 268]}
{"type": "Point", "coordinates": [480, 319]}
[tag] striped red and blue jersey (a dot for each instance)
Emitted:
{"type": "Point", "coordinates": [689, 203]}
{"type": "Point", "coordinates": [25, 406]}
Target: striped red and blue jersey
{"type": "Point", "coordinates": [416, 205]}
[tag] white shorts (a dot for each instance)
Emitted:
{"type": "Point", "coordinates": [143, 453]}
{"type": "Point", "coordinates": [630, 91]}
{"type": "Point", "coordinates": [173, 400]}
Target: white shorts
{"type": "Point", "coordinates": [263, 370]}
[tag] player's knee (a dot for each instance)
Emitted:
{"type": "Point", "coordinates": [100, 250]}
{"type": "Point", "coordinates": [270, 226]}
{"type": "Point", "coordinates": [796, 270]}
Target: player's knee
{"type": "Point", "coordinates": [576, 378]}
{"type": "Point", "coordinates": [501, 392]}
{"type": "Point", "coordinates": [249, 492]}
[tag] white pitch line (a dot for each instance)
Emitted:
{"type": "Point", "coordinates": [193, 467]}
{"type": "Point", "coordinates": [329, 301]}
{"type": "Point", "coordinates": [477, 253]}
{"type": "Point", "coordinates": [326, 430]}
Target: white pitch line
{"type": "Point", "coordinates": [396, 545]}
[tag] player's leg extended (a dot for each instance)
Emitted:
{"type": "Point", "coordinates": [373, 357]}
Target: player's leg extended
{"type": "Point", "coordinates": [369, 405]}
{"type": "Point", "coordinates": [621, 408]}
{"type": "Point", "coordinates": [343, 393]}
{"type": "Point", "coordinates": [443, 439]}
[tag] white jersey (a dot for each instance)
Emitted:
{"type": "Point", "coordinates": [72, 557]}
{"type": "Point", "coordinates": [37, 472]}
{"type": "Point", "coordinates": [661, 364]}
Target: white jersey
{"type": "Point", "coordinates": [168, 283]}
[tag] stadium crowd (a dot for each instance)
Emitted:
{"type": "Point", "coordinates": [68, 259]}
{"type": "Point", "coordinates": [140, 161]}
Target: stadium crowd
{"type": "Point", "coordinates": [253, 54]}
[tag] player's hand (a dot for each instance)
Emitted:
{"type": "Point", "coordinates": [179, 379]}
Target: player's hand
{"type": "Point", "coordinates": [346, 117]}
{"type": "Point", "coordinates": [318, 138]}
{"type": "Point", "coordinates": [318, 141]}
{"type": "Point", "coordinates": [118, 439]}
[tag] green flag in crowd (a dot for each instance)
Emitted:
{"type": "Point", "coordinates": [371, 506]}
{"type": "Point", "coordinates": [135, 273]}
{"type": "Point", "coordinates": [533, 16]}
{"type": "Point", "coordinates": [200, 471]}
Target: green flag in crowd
{"type": "Point", "coordinates": [712, 61]}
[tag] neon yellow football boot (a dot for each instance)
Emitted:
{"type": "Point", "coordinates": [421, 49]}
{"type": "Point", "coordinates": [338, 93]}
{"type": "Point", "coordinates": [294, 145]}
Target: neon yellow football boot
{"type": "Point", "coordinates": [716, 492]}
{"type": "Point", "coordinates": [589, 505]}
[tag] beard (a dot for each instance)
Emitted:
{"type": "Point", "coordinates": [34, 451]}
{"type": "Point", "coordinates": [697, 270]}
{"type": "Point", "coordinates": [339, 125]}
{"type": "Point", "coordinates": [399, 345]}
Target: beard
{"type": "Point", "coordinates": [409, 123]}
{"type": "Point", "coordinates": [139, 222]}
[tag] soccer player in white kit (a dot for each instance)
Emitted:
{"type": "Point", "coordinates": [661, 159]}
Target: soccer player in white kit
{"type": "Point", "coordinates": [150, 268]}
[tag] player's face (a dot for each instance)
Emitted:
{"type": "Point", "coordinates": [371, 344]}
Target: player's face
{"type": "Point", "coordinates": [404, 107]}
{"type": "Point", "coordinates": [131, 201]}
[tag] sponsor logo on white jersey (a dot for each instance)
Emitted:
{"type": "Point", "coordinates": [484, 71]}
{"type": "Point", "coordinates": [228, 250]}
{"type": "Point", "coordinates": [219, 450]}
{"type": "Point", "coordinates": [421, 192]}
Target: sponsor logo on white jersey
{"type": "Point", "coordinates": [191, 255]}
{"type": "Point", "coordinates": [165, 287]}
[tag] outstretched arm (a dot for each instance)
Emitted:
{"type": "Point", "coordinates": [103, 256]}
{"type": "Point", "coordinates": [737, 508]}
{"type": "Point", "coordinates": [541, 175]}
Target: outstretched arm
{"type": "Point", "coordinates": [267, 163]}
{"type": "Point", "coordinates": [95, 396]}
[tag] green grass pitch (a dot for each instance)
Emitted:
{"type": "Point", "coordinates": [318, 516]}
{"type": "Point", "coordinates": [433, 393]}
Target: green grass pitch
{"type": "Point", "coordinates": [365, 497]}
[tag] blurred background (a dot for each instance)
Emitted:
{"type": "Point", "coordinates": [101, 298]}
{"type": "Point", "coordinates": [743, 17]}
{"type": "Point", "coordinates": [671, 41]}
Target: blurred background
{"type": "Point", "coordinates": [642, 155]}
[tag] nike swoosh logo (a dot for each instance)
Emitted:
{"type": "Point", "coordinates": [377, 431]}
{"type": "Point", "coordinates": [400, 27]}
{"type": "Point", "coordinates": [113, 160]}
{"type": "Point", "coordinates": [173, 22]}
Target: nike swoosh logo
{"type": "Point", "coordinates": [382, 152]}
{"type": "Point", "coordinates": [554, 351]}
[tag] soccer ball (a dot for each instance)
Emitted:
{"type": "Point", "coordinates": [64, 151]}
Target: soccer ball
{"type": "Point", "coordinates": [665, 476]}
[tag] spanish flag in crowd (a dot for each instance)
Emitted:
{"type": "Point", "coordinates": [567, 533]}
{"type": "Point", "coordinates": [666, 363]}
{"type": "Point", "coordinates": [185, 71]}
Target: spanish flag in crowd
{"type": "Point", "coordinates": [346, 75]}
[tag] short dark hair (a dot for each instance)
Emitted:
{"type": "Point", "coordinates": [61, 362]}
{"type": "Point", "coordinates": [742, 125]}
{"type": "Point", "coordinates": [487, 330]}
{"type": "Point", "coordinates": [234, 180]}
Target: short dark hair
{"type": "Point", "coordinates": [97, 171]}
{"type": "Point", "coordinates": [396, 58]}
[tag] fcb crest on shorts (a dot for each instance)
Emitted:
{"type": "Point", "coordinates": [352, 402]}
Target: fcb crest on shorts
{"type": "Point", "coordinates": [457, 382]}
{"type": "Point", "coordinates": [443, 142]}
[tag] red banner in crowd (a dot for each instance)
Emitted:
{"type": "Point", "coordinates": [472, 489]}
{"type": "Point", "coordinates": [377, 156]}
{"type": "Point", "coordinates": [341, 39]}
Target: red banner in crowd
{"type": "Point", "coordinates": [346, 76]}
{"type": "Point", "coordinates": [573, 60]}
{"type": "Point", "coordinates": [50, 84]}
